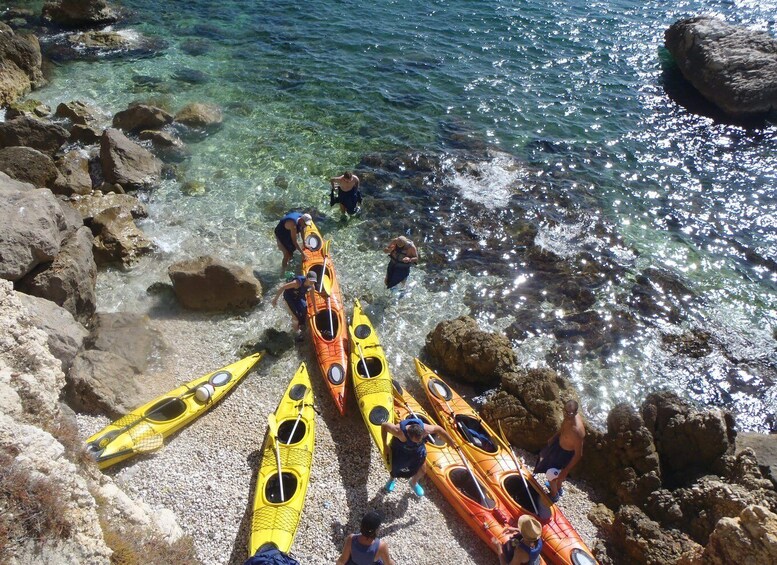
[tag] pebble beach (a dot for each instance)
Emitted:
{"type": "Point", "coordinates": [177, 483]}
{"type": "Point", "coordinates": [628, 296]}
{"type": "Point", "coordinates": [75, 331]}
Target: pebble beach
{"type": "Point", "coordinates": [206, 472]}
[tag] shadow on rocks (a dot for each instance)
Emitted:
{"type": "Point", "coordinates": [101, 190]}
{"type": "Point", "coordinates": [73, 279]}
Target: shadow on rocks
{"type": "Point", "coordinates": [239, 548]}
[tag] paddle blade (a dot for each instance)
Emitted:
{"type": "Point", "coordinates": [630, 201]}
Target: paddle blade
{"type": "Point", "coordinates": [326, 286]}
{"type": "Point", "coordinates": [325, 248]}
{"type": "Point", "coordinates": [272, 425]}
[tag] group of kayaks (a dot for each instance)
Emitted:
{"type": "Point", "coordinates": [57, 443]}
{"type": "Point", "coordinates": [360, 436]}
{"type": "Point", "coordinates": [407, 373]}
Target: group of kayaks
{"type": "Point", "coordinates": [484, 481]}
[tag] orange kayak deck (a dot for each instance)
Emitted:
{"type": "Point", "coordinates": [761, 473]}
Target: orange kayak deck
{"type": "Point", "coordinates": [326, 317]}
{"type": "Point", "coordinates": [562, 544]}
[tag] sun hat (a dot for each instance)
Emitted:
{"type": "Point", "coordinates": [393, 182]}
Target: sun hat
{"type": "Point", "coordinates": [307, 218]}
{"type": "Point", "coordinates": [312, 276]}
{"type": "Point", "coordinates": [531, 529]}
{"type": "Point", "coordinates": [552, 474]}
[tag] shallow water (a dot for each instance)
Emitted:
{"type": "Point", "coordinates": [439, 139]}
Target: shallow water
{"type": "Point", "coordinates": [576, 98]}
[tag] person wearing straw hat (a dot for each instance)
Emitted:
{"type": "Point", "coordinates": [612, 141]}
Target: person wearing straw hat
{"type": "Point", "coordinates": [402, 255]}
{"type": "Point", "coordinates": [295, 295]}
{"type": "Point", "coordinates": [525, 546]}
{"type": "Point", "coordinates": [286, 232]}
{"type": "Point", "coordinates": [365, 548]}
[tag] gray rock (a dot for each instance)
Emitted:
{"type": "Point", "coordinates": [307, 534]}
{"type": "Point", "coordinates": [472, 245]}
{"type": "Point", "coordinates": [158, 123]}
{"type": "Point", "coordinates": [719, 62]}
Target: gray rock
{"type": "Point", "coordinates": [21, 59]}
{"type": "Point", "coordinates": [79, 13]}
{"type": "Point", "coordinates": [65, 334]}
{"type": "Point", "coordinates": [69, 280]}
{"type": "Point", "coordinates": [733, 67]}
{"type": "Point", "coordinates": [101, 382]}
{"type": "Point", "coordinates": [641, 541]}
{"type": "Point", "coordinates": [126, 163]}
{"type": "Point", "coordinates": [30, 232]}
{"type": "Point", "coordinates": [28, 165]}
{"type": "Point", "coordinates": [141, 116]}
{"type": "Point", "coordinates": [207, 283]}
{"type": "Point", "coordinates": [127, 335]}
{"type": "Point", "coordinates": [74, 168]}
{"type": "Point", "coordinates": [8, 183]}
{"type": "Point", "coordinates": [30, 132]}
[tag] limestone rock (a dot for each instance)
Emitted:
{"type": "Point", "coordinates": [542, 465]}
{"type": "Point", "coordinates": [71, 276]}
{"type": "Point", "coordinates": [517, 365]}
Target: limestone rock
{"type": "Point", "coordinates": [79, 13]}
{"type": "Point", "coordinates": [530, 406]}
{"type": "Point", "coordinates": [27, 107]}
{"type": "Point", "coordinates": [65, 334]}
{"type": "Point", "coordinates": [26, 164]}
{"type": "Point", "coordinates": [463, 351]}
{"type": "Point", "coordinates": [30, 233]}
{"type": "Point", "coordinates": [207, 283]}
{"type": "Point", "coordinates": [678, 430]}
{"type": "Point", "coordinates": [69, 280]}
{"type": "Point", "coordinates": [765, 448]}
{"type": "Point", "coordinates": [29, 132]}
{"type": "Point", "coordinates": [733, 67]}
{"type": "Point", "coordinates": [101, 382]}
{"type": "Point", "coordinates": [749, 538]}
{"type": "Point", "coordinates": [126, 334]}
{"type": "Point", "coordinates": [141, 116]}
{"type": "Point", "coordinates": [199, 115]}
{"type": "Point", "coordinates": [91, 205]}
{"type": "Point", "coordinates": [10, 184]}
{"type": "Point", "coordinates": [74, 168]}
{"type": "Point", "coordinates": [85, 135]}
{"type": "Point", "coordinates": [79, 113]}
{"type": "Point", "coordinates": [21, 59]}
{"type": "Point", "coordinates": [117, 238]}
{"type": "Point", "coordinates": [127, 163]}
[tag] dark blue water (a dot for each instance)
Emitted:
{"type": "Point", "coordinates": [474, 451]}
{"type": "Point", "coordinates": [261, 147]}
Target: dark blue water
{"type": "Point", "coordinates": [570, 113]}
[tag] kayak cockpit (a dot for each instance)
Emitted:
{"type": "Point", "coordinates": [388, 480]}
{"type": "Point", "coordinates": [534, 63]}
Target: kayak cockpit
{"type": "Point", "coordinates": [289, 427]}
{"type": "Point", "coordinates": [272, 488]}
{"type": "Point", "coordinates": [166, 410]}
{"type": "Point", "coordinates": [465, 484]}
{"type": "Point", "coordinates": [528, 499]}
{"type": "Point", "coordinates": [369, 367]}
{"type": "Point", "coordinates": [327, 323]}
{"type": "Point", "coordinates": [473, 432]}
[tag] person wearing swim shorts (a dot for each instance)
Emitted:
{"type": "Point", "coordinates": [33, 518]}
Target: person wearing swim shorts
{"type": "Point", "coordinates": [564, 449]}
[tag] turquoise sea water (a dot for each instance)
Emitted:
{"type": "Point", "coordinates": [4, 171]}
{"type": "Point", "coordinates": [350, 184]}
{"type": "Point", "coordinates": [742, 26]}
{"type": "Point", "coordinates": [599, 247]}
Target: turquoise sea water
{"type": "Point", "coordinates": [579, 94]}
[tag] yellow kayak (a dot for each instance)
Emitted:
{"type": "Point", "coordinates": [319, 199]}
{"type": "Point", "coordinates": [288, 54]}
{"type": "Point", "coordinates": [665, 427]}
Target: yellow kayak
{"type": "Point", "coordinates": [144, 429]}
{"type": "Point", "coordinates": [371, 377]}
{"type": "Point", "coordinates": [276, 514]}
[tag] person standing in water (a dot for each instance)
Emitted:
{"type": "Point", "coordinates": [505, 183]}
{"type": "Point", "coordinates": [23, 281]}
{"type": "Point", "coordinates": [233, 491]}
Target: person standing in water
{"type": "Point", "coordinates": [295, 295]}
{"type": "Point", "coordinates": [564, 449]}
{"type": "Point", "coordinates": [286, 232]}
{"type": "Point", "coordinates": [348, 194]}
{"type": "Point", "coordinates": [365, 548]}
{"type": "Point", "coordinates": [402, 255]}
{"type": "Point", "coordinates": [408, 452]}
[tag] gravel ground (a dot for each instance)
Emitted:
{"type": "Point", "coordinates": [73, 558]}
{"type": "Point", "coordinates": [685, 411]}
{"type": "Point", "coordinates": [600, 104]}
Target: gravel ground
{"type": "Point", "coordinates": [206, 472]}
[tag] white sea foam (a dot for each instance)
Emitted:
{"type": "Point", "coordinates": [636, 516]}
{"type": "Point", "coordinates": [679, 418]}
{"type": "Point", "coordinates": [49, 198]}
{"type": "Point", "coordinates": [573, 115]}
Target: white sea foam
{"type": "Point", "coordinates": [491, 183]}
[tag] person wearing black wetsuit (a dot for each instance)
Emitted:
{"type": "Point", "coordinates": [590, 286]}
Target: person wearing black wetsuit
{"type": "Point", "coordinates": [402, 255]}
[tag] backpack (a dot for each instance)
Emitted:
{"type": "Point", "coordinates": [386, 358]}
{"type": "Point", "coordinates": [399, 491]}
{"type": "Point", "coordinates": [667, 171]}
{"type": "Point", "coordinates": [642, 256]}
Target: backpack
{"type": "Point", "coordinates": [271, 556]}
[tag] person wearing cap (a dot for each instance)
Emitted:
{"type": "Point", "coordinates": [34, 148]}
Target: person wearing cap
{"type": "Point", "coordinates": [402, 254]}
{"type": "Point", "coordinates": [525, 546]}
{"type": "Point", "coordinates": [563, 451]}
{"type": "Point", "coordinates": [291, 225]}
{"type": "Point", "coordinates": [348, 194]}
{"type": "Point", "coordinates": [408, 452]}
{"type": "Point", "coordinates": [294, 294]}
{"type": "Point", "coordinates": [365, 548]}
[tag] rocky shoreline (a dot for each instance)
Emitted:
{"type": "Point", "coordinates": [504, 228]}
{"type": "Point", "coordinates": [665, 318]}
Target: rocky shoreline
{"type": "Point", "coordinates": [662, 483]}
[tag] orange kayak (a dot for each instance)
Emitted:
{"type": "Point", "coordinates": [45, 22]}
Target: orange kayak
{"type": "Point", "coordinates": [486, 513]}
{"type": "Point", "coordinates": [512, 481]}
{"type": "Point", "coordinates": [326, 316]}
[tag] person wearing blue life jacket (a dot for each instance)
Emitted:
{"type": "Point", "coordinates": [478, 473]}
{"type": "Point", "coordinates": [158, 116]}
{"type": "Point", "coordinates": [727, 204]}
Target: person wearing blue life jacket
{"type": "Point", "coordinates": [366, 548]}
{"type": "Point", "coordinates": [408, 451]}
{"type": "Point", "coordinates": [295, 295]}
{"type": "Point", "coordinates": [402, 255]}
{"type": "Point", "coordinates": [286, 232]}
{"type": "Point", "coordinates": [525, 546]}
{"type": "Point", "coordinates": [348, 194]}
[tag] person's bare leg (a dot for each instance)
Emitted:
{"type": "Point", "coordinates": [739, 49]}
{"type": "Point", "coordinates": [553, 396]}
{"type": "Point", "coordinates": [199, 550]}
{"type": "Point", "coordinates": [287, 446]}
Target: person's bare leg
{"type": "Point", "coordinates": [417, 477]}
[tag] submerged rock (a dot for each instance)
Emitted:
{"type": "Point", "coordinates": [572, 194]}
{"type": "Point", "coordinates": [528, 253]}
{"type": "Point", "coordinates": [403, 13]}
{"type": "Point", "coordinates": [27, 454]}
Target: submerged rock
{"type": "Point", "coordinates": [80, 13]}
{"type": "Point", "coordinates": [733, 67]}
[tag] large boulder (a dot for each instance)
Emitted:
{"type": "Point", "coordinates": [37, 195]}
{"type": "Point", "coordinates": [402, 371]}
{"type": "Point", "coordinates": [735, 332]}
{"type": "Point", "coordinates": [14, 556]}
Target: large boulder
{"type": "Point", "coordinates": [65, 334]}
{"type": "Point", "coordinates": [465, 352]}
{"type": "Point", "coordinates": [209, 284]}
{"type": "Point", "coordinates": [79, 13]}
{"type": "Point", "coordinates": [69, 280]}
{"type": "Point", "coordinates": [127, 163]}
{"type": "Point", "coordinates": [126, 334]}
{"type": "Point", "coordinates": [765, 448]}
{"type": "Point", "coordinates": [74, 169]}
{"type": "Point", "coordinates": [102, 382]}
{"type": "Point", "coordinates": [79, 113]}
{"type": "Point", "coordinates": [198, 115]}
{"type": "Point", "coordinates": [31, 230]}
{"type": "Point", "coordinates": [750, 537]}
{"type": "Point", "coordinates": [27, 107]}
{"type": "Point", "coordinates": [117, 238]}
{"type": "Point", "coordinates": [91, 205]}
{"type": "Point", "coordinates": [622, 462]}
{"type": "Point", "coordinates": [21, 65]}
{"type": "Point", "coordinates": [529, 406]}
{"type": "Point", "coordinates": [679, 430]}
{"type": "Point", "coordinates": [10, 184]}
{"type": "Point", "coordinates": [29, 165]}
{"type": "Point", "coordinates": [141, 116]}
{"type": "Point", "coordinates": [29, 132]}
{"type": "Point", "coordinates": [733, 67]}
{"type": "Point", "coordinates": [638, 540]}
